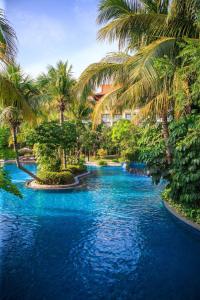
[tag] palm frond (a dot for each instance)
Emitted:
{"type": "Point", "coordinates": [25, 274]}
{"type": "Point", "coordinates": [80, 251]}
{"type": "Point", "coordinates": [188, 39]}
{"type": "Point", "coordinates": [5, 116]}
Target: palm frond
{"type": "Point", "coordinates": [144, 80]}
{"type": "Point", "coordinates": [7, 40]}
{"type": "Point", "coordinates": [134, 29]}
{"type": "Point", "coordinates": [108, 102]}
{"type": "Point", "coordinates": [112, 9]}
{"type": "Point", "coordinates": [181, 93]}
{"type": "Point", "coordinates": [155, 107]}
{"type": "Point", "coordinates": [97, 74]}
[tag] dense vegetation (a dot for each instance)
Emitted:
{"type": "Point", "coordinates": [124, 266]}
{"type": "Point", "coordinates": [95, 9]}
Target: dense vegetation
{"type": "Point", "coordinates": [157, 70]}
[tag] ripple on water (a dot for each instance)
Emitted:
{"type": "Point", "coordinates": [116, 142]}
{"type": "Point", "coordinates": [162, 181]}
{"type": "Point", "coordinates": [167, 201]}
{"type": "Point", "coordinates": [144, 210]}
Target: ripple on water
{"type": "Point", "coordinates": [110, 239]}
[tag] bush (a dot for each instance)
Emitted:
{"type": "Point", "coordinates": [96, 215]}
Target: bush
{"type": "Point", "coordinates": [115, 160]}
{"type": "Point", "coordinates": [102, 163]}
{"type": "Point", "coordinates": [47, 157]}
{"type": "Point", "coordinates": [7, 154]}
{"type": "Point", "coordinates": [76, 169]}
{"type": "Point", "coordinates": [56, 178]}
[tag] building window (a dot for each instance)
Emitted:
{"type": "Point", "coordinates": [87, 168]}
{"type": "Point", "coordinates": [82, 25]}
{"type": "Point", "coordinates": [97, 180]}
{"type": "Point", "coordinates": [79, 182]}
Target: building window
{"type": "Point", "coordinates": [128, 116]}
{"type": "Point", "coordinates": [117, 117]}
{"type": "Point", "coordinates": [105, 118]}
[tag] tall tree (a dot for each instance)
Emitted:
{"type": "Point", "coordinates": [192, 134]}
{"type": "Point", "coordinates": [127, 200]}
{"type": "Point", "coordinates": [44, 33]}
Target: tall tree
{"type": "Point", "coordinates": [57, 88]}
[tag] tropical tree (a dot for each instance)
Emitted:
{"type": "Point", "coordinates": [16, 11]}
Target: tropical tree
{"type": "Point", "coordinates": [57, 89]}
{"type": "Point", "coordinates": [15, 114]}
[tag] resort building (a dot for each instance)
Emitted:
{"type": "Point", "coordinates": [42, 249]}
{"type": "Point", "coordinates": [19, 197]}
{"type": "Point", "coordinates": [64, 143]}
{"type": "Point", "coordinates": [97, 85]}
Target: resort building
{"type": "Point", "coordinates": [107, 117]}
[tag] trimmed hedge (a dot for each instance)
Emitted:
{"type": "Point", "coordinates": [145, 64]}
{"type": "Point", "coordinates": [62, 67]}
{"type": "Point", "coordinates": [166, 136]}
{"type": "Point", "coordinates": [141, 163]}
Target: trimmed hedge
{"type": "Point", "coordinates": [76, 169]}
{"type": "Point", "coordinates": [56, 178]}
{"type": "Point", "coordinates": [102, 163]}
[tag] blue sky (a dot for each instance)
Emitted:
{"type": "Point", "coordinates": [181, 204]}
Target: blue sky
{"type": "Point", "coordinates": [50, 30]}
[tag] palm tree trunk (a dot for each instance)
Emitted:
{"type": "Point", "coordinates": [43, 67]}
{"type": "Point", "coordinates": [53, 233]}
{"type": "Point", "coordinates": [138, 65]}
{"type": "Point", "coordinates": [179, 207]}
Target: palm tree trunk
{"type": "Point", "coordinates": [14, 134]}
{"type": "Point", "coordinates": [166, 138]}
{"type": "Point", "coordinates": [61, 117]}
{"type": "Point", "coordinates": [62, 152]}
{"type": "Point", "coordinates": [61, 109]}
{"type": "Point", "coordinates": [64, 158]}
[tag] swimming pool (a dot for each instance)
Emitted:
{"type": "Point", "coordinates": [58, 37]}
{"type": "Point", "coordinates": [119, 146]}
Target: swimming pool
{"type": "Point", "coordinates": [110, 239]}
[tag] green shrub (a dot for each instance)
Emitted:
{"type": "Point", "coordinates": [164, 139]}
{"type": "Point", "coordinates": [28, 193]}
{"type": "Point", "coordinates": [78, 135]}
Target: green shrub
{"type": "Point", "coordinates": [115, 160]}
{"type": "Point", "coordinates": [47, 157]}
{"type": "Point", "coordinates": [76, 169]}
{"type": "Point", "coordinates": [102, 163]}
{"type": "Point", "coordinates": [7, 154]}
{"type": "Point", "coordinates": [56, 178]}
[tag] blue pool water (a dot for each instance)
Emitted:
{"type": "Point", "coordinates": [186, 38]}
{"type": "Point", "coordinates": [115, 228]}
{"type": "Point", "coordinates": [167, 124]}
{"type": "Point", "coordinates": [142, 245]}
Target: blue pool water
{"type": "Point", "coordinates": [110, 239]}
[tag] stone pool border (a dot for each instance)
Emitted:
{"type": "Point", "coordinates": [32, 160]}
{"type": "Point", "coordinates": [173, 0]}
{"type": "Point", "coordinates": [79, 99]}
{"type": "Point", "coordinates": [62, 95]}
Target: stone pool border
{"type": "Point", "coordinates": [32, 185]}
{"type": "Point", "coordinates": [182, 219]}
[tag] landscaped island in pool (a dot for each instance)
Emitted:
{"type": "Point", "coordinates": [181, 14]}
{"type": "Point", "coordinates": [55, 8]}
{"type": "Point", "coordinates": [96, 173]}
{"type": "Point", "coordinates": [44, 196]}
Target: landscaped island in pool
{"type": "Point", "coordinates": [110, 239]}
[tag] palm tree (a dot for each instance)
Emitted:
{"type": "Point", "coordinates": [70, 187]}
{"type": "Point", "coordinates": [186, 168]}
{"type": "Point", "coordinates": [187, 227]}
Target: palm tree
{"type": "Point", "coordinates": [57, 87]}
{"type": "Point", "coordinates": [19, 111]}
{"type": "Point", "coordinates": [154, 28]}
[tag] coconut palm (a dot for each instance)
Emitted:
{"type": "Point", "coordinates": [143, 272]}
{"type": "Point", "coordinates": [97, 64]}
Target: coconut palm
{"type": "Point", "coordinates": [13, 115]}
{"type": "Point", "coordinates": [57, 86]}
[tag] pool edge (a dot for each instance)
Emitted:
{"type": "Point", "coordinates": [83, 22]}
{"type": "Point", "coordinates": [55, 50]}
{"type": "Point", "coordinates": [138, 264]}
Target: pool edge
{"type": "Point", "coordinates": [182, 219]}
{"type": "Point", "coordinates": [77, 183]}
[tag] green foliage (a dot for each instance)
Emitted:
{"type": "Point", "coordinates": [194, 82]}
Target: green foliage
{"type": "Point", "coordinates": [187, 210]}
{"type": "Point", "coordinates": [152, 152]}
{"type": "Point", "coordinates": [7, 185]}
{"type": "Point", "coordinates": [56, 178]}
{"type": "Point", "coordinates": [48, 159]}
{"type": "Point", "coordinates": [125, 136]}
{"type": "Point", "coordinates": [76, 169]}
{"type": "Point", "coordinates": [69, 135]}
{"type": "Point", "coordinates": [105, 139]}
{"type": "Point", "coordinates": [5, 151]}
{"type": "Point", "coordinates": [115, 160]}
{"type": "Point", "coordinates": [88, 139]}
{"type": "Point", "coordinates": [48, 140]}
{"type": "Point", "coordinates": [121, 131]}
{"type": "Point", "coordinates": [102, 163]}
{"type": "Point", "coordinates": [48, 133]}
{"type": "Point", "coordinates": [185, 170]}
{"type": "Point", "coordinates": [190, 69]}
